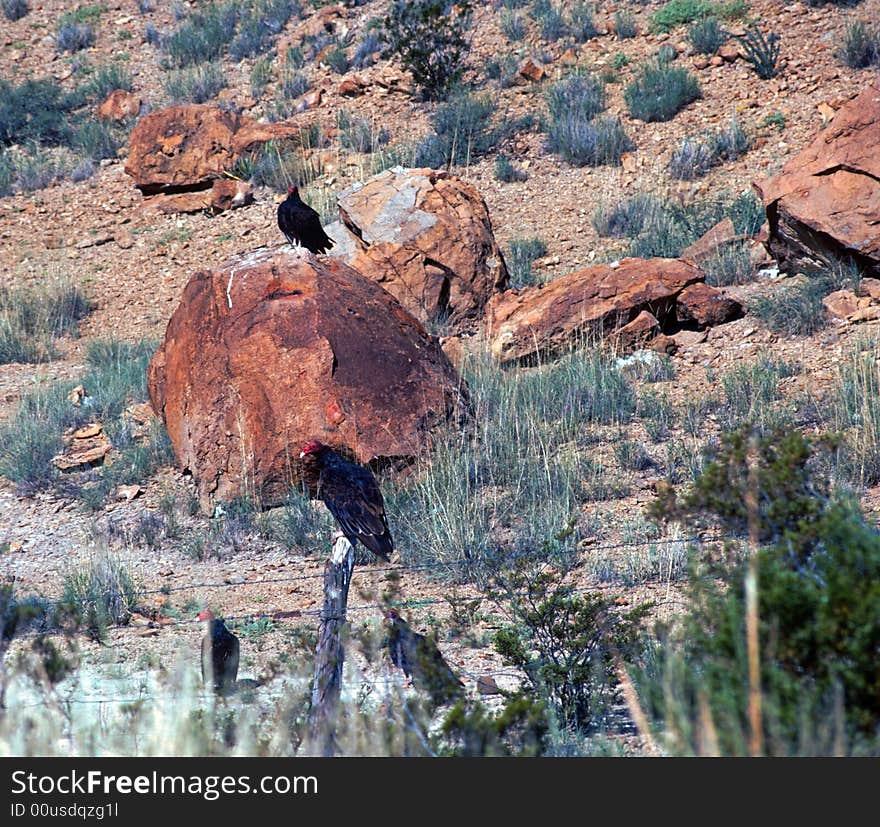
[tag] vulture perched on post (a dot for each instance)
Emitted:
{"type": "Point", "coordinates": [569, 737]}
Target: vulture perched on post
{"type": "Point", "coordinates": [351, 493]}
{"type": "Point", "coordinates": [301, 225]}
{"type": "Point", "coordinates": [220, 651]}
{"type": "Point", "coordinates": [421, 660]}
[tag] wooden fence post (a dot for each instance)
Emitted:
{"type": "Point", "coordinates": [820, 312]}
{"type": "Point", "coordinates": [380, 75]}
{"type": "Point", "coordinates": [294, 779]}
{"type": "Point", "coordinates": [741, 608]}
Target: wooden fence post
{"type": "Point", "coordinates": [330, 655]}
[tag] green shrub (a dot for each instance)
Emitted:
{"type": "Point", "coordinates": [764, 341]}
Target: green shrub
{"type": "Point", "coordinates": [72, 36]}
{"type": "Point", "coordinates": [14, 9]}
{"type": "Point", "coordinates": [337, 60]}
{"type": "Point", "coordinates": [625, 219]}
{"type": "Point", "coordinates": [581, 23]}
{"type": "Point", "coordinates": [521, 254]}
{"type": "Point", "coordinates": [261, 76]}
{"type": "Point", "coordinates": [195, 84]}
{"type": "Point", "coordinates": [729, 264]}
{"type": "Point", "coordinates": [359, 134]}
{"type": "Point", "coordinates": [572, 131]}
{"type": "Point", "coordinates": [794, 310]}
{"type": "Point", "coordinates": [105, 80]}
{"type": "Point", "coordinates": [34, 111]}
{"type": "Point", "coordinates": [97, 140]}
{"type": "Point", "coordinates": [463, 131]}
{"type": "Point", "coordinates": [707, 36]}
{"type": "Point", "coordinates": [818, 606]}
{"type": "Point", "coordinates": [624, 25]}
{"type": "Point", "coordinates": [860, 47]}
{"type": "Point", "coordinates": [567, 643]}
{"type": "Point", "coordinates": [678, 12]}
{"type": "Point", "coordinates": [99, 593]}
{"type": "Point", "coordinates": [31, 319]}
{"type": "Point", "coordinates": [428, 37]}
{"type": "Point", "coordinates": [553, 25]}
{"type": "Point", "coordinates": [203, 36]}
{"type": "Point", "coordinates": [513, 25]}
{"type": "Point", "coordinates": [506, 172]}
{"type": "Point", "coordinates": [660, 91]}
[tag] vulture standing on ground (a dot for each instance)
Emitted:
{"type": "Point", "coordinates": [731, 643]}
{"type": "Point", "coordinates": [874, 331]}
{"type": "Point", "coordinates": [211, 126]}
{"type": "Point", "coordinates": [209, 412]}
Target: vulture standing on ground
{"type": "Point", "coordinates": [421, 660]}
{"type": "Point", "coordinates": [351, 493]}
{"type": "Point", "coordinates": [301, 224]}
{"type": "Point", "coordinates": [219, 654]}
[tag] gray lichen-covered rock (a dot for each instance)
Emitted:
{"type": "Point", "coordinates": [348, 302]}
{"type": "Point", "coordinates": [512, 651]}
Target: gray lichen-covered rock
{"type": "Point", "coordinates": [425, 236]}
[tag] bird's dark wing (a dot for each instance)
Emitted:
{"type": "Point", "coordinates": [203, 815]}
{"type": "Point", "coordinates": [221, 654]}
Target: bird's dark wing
{"type": "Point", "coordinates": [231, 666]}
{"type": "Point", "coordinates": [354, 499]}
{"type": "Point", "coordinates": [434, 674]}
{"type": "Point", "coordinates": [286, 222]}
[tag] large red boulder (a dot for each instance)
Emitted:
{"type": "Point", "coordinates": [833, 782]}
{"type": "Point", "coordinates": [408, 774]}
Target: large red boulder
{"type": "Point", "coordinates": [181, 147]}
{"type": "Point", "coordinates": [426, 237]}
{"type": "Point", "coordinates": [825, 203]}
{"type": "Point", "coordinates": [272, 350]}
{"type": "Point", "coordinates": [553, 317]}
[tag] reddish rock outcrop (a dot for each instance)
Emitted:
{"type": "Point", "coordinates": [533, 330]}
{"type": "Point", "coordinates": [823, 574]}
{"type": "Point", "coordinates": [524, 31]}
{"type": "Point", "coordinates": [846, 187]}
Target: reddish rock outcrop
{"type": "Point", "coordinates": [271, 350]}
{"type": "Point", "coordinates": [552, 317]}
{"type": "Point", "coordinates": [704, 306]}
{"type": "Point", "coordinates": [179, 155]}
{"type": "Point", "coordinates": [825, 203]}
{"type": "Point", "coordinates": [181, 146]}
{"type": "Point", "coordinates": [119, 105]}
{"type": "Point", "coordinates": [426, 237]}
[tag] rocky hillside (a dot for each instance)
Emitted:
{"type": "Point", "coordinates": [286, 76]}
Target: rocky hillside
{"type": "Point", "coordinates": [626, 231]}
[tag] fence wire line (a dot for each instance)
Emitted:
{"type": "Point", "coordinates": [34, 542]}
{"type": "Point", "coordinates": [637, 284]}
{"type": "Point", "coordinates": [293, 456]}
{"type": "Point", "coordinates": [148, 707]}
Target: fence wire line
{"type": "Point", "coordinates": [383, 681]}
{"type": "Point", "coordinates": [58, 599]}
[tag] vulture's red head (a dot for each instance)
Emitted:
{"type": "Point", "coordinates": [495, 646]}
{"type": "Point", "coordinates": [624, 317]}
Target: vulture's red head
{"type": "Point", "coordinates": [293, 189]}
{"type": "Point", "coordinates": [206, 615]}
{"type": "Point", "coordinates": [391, 614]}
{"type": "Point", "coordinates": [312, 449]}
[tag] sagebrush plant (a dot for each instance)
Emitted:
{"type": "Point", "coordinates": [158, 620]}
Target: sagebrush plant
{"type": "Point", "coordinates": [707, 36]}
{"type": "Point", "coordinates": [429, 39]}
{"type": "Point", "coordinates": [853, 410]}
{"type": "Point", "coordinates": [31, 319]}
{"type": "Point", "coordinates": [521, 255]}
{"type": "Point", "coordinates": [100, 592]}
{"type": "Point", "coordinates": [463, 131]}
{"type": "Point", "coordinates": [507, 484]}
{"type": "Point", "coordinates": [818, 585]}
{"type": "Point", "coordinates": [574, 132]}
{"type": "Point", "coordinates": [360, 134]}
{"type": "Point", "coordinates": [861, 45]}
{"type": "Point", "coordinates": [624, 24]}
{"type": "Point", "coordinates": [14, 9]}
{"type": "Point", "coordinates": [195, 84]}
{"type": "Point", "coordinates": [660, 91]}
{"type": "Point", "coordinates": [505, 170]}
